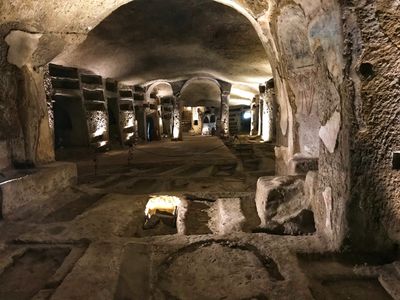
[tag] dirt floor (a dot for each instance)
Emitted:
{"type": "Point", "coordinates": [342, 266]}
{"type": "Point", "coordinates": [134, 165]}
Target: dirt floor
{"type": "Point", "coordinates": [90, 243]}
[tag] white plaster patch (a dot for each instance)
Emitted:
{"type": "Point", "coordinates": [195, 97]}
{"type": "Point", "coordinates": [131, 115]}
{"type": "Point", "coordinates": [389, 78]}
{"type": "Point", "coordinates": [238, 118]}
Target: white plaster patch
{"type": "Point", "coordinates": [327, 194]}
{"type": "Point", "coordinates": [330, 131]}
{"type": "Point", "coordinates": [22, 46]}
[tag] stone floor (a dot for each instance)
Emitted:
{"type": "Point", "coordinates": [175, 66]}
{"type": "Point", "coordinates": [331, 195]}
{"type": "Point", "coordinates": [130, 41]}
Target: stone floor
{"type": "Point", "coordinates": [89, 241]}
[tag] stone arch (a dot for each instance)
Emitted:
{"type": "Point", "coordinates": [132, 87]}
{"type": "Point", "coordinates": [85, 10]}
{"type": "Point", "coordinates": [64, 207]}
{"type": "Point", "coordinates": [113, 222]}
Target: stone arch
{"type": "Point", "coordinates": [163, 85]}
{"type": "Point", "coordinates": [215, 90]}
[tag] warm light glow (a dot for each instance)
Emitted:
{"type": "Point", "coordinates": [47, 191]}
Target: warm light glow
{"type": "Point", "coordinates": [241, 93]}
{"type": "Point", "coordinates": [101, 144]}
{"type": "Point", "coordinates": [99, 132]}
{"type": "Point", "coordinates": [266, 124]}
{"type": "Point", "coordinates": [247, 115]}
{"type": "Point", "coordinates": [129, 135]}
{"type": "Point", "coordinates": [163, 203]}
{"type": "Point", "coordinates": [239, 101]}
{"type": "Point", "coordinates": [175, 132]}
{"type": "Point", "coordinates": [129, 124]}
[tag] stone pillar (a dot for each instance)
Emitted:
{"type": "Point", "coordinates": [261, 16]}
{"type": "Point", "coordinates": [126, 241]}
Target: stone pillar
{"type": "Point", "coordinates": [11, 134]}
{"type": "Point", "coordinates": [141, 121]}
{"type": "Point", "coordinates": [33, 114]}
{"type": "Point", "coordinates": [177, 120]}
{"type": "Point", "coordinates": [254, 109]}
{"type": "Point", "coordinates": [224, 115]}
{"type": "Point", "coordinates": [267, 122]}
{"type": "Point", "coordinates": [22, 95]}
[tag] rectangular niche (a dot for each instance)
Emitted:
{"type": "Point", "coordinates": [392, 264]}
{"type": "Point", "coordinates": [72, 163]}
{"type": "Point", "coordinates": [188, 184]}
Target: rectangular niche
{"type": "Point", "coordinates": [396, 160]}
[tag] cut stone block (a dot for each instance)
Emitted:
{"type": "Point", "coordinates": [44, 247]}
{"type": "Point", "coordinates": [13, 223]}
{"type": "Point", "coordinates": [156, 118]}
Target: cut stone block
{"type": "Point", "coordinates": [281, 198]}
{"type": "Point", "coordinates": [229, 214]}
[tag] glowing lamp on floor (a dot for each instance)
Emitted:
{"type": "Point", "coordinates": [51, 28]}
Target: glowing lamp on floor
{"type": "Point", "coordinates": [161, 208]}
{"type": "Point", "coordinates": [162, 203]}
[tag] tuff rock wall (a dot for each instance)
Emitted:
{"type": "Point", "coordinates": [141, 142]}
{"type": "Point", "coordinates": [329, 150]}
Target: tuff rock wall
{"type": "Point", "coordinates": [335, 67]}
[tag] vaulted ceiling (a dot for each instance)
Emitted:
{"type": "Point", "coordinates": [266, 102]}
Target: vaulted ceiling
{"type": "Point", "coordinates": [146, 40]}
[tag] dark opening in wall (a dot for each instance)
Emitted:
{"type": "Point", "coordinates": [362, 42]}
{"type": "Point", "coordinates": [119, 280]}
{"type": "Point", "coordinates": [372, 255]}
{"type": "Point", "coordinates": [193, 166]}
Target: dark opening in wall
{"type": "Point", "coordinates": [125, 93]}
{"type": "Point", "coordinates": [111, 86]}
{"type": "Point", "coordinates": [139, 97]}
{"type": "Point", "coordinates": [366, 70]}
{"type": "Point", "coordinates": [91, 79]}
{"type": "Point", "coordinates": [396, 160]}
{"type": "Point", "coordinates": [65, 72]}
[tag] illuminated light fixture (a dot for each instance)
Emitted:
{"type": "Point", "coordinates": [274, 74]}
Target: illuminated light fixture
{"type": "Point", "coordinates": [175, 132]}
{"type": "Point", "coordinates": [129, 136]}
{"type": "Point", "coordinates": [129, 124]}
{"type": "Point", "coordinates": [99, 132]}
{"type": "Point", "coordinates": [266, 133]}
{"type": "Point", "coordinates": [163, 204]}
{"type": "Point", "coordinates": [247, 115]}
{"type": "Point", "coordinates": [101, 144]}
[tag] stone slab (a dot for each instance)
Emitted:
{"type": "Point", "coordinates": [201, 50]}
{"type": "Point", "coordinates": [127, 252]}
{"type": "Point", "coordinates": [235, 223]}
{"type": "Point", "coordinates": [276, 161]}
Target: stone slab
{"type": "Point", "coordinates": [230, 215]}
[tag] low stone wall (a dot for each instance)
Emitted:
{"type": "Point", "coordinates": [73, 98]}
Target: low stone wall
{"type": "Point", "coordinates": [4, 156]}
{"type": "Point", "coordinates": [26, 192]}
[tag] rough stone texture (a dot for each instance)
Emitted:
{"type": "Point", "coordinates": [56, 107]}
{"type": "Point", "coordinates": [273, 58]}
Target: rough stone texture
{"type": "Point", "coordinates": [21, 194]}
{"type": "Point", "coordinates": [327, 55]}
{"type": "Point", "coordinates": [102, 287]}
{"type": "Point", "coordinates": [98, 124]}
{"type": "Point", "coordinates": [234, 265]}
{"type": "Point", "coordinates": [25, 123]}
{"type": "Point", "coordinates": [302, 165]}
{"type": "Point", "coordinates": [119, 264]}
{"type": "Point", "coordinates": [306, 57]}
{"type": "Point", "coordinates": [280, 198]}
{"type": "Point", "coordinates": [318, 207]}
{"type": "Point", "coordinates": [229, 216]}
{"type": "Point", "coordinates": [373, 45]}
{"type": "Point", "coordinates": [223, 43]}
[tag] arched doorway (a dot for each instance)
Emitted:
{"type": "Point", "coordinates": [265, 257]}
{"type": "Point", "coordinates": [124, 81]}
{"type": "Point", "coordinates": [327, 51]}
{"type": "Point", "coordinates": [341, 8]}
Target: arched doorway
{"type": "Point", "coordinates": [201, 98]}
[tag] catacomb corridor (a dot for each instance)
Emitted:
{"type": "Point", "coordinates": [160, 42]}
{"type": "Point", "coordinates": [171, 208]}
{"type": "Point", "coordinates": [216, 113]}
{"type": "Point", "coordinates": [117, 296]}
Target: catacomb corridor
{"type": "Point", "coordinates": [199, 149]}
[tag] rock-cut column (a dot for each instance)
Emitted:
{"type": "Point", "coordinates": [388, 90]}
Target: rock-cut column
{"type": "Point", "coordinates": [177, 120]}
{"type": "Point", "coordinates": [267, 120]}
{"type": "Point", "coordinates": [225, 115]}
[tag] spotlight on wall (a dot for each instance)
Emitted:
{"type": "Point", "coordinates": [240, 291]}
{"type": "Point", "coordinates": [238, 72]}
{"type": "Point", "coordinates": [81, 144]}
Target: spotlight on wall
{"type": "Point", "coordinates": [99, 132]}
{"type": "Point", "coordinates": [247, 115]}
{"type": "Point", "coordinates": [129, 136]}
{"type": "Point", "coordinates": [175, 132]}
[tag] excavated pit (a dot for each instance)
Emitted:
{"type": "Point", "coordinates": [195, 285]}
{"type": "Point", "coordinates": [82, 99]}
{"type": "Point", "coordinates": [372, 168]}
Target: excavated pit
{"type": "Point", "coordinates": [334, 276]}
{"type": "Point", "coordinates": [30, 273]}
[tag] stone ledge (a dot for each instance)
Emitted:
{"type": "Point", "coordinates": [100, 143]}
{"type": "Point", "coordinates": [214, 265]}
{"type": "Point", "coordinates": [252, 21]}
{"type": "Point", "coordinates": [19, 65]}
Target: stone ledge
{"type": "Point", "coordinates": [25, 192]}
{"type": "Point", "coordinates": [301, 165]}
